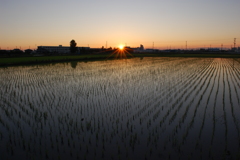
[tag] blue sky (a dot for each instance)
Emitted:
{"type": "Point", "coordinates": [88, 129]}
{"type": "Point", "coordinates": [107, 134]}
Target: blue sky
{"type": "Point", "coordinates": [30, 23]}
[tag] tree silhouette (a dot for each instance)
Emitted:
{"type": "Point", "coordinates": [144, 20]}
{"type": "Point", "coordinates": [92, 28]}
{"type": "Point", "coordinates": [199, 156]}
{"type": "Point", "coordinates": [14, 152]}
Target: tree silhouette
{"type": "Point", "coordinates": [73, 47]}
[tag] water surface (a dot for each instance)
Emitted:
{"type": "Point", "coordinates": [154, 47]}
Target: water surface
{"type": "Point", "coordinates": [162, 108]}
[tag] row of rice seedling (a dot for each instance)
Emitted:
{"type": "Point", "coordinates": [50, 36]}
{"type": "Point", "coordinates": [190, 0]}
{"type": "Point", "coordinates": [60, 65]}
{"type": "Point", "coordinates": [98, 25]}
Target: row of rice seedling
{"type": "Point", "coordinates": [230, 111]}
{"type": "Point", "coordinates": [127, 109]}
{"type": "Point", "coordinates": [177, 128]}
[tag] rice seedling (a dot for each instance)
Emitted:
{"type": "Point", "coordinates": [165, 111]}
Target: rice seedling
{"type": "Point", "coordinates": [101, 108]}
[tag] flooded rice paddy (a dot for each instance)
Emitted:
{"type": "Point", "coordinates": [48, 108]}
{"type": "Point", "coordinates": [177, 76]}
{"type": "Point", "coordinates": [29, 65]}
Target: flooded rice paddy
{"type": "Point", "coordinates": [148, 108]}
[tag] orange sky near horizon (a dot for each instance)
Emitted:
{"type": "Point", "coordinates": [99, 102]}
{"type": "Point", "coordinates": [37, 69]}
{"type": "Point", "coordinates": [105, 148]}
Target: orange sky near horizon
{"type": "Point", "coordinates": [195, 44]}
{"type": "Point", "coordinates": [168, 24]}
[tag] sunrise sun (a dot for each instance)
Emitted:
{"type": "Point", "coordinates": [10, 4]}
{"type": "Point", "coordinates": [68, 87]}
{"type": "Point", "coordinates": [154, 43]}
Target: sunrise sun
{"type": "Point", "coordinates": [121, 52]}
{"type": "Point", "coordinates": [121, 47]}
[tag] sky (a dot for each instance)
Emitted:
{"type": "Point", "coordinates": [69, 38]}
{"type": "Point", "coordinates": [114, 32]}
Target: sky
{"type": "Point", "coordinates": [161, 24]}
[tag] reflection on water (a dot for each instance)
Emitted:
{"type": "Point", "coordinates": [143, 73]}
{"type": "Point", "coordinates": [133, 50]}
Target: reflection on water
{"type": "Point", "coordinates": [140, 108]}
{"type": "Point", "coordinates": [74, 64]}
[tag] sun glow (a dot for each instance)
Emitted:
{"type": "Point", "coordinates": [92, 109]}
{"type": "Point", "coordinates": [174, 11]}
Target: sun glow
{"type": "Point", "coordinates": [121, 47]}
{"type": "Point", "coordinates": [122, 52]}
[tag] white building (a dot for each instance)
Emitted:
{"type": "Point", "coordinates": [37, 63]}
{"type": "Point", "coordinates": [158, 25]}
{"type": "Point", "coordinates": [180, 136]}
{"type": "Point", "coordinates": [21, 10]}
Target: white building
{"type": "Point", "coordinates": [139, 49]}
{"type": "Point", "coordinates": [59, 49]}
{"type": "Point", "coordinates": [54, 49]}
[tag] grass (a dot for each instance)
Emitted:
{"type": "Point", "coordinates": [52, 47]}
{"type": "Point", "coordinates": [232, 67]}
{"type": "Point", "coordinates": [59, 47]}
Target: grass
{"type": "Point", "coordinates": [8, 61]}
{"type": "Point", "coordinates": [47, 59]}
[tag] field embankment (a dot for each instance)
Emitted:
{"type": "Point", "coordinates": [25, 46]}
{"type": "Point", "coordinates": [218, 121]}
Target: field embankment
{"type": "Point", "coordinates": [9, 61]}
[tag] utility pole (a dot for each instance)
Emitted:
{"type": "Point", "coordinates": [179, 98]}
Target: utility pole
{"type": "Point", "coordinates": [221, 47]}
{"type": "Point", "coordinates": [234, 42]}
{"type": "Point", "coordinates": [186, 45]}
{"type": "Point", "coordinates": [153, 45]}
{"type": "Point", "coordinates": [106, 44]}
